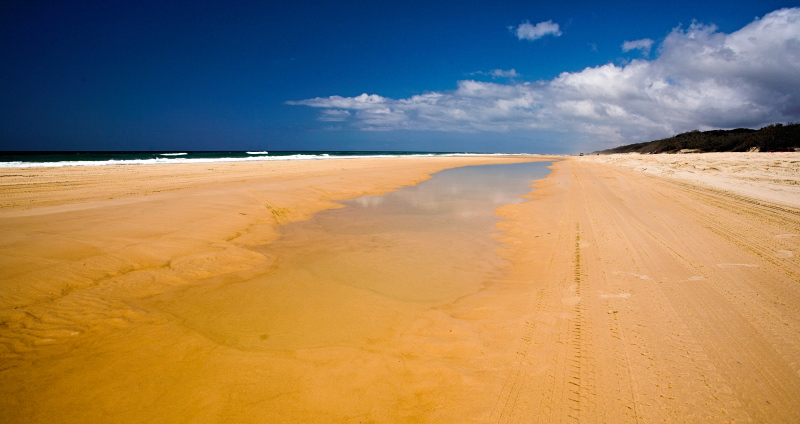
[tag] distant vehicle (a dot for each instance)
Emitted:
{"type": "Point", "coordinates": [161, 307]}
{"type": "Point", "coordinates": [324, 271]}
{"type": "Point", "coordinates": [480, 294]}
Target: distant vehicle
{"type": "Point", "coordinates": [581, 154]}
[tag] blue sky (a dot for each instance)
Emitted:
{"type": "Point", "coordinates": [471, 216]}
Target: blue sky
{"type": "Point", "coordinates": [437, 75]}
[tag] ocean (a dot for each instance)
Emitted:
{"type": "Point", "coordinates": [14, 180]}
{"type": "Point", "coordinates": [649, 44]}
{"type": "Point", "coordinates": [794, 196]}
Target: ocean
{"type": "Point", "coordinates": [94, 158]}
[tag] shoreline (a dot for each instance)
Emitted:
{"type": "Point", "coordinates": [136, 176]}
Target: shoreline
{"type": "Point", "coordinates": [68, 184]}
{"type": "Point", "coordinates": [208, 157]}
{"type": "Point", "coordinates": [125, 219]}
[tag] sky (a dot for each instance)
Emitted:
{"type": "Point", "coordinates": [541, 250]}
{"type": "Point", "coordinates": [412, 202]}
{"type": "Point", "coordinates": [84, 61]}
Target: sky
{"type": "Point", "coordinates": [478, 76]}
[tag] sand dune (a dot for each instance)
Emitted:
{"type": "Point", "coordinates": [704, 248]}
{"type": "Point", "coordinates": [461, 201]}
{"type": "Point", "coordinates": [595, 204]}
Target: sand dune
{"type": "Point", "coordinates": [627, 297]}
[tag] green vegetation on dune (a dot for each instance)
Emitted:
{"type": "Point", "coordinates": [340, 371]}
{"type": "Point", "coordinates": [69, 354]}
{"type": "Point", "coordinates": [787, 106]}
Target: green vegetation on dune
{"type": "Point", "coordinates": [775, 137]}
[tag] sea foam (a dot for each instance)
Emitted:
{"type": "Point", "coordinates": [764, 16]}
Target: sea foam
{"type": "Point", "coordinates": [174, 159]}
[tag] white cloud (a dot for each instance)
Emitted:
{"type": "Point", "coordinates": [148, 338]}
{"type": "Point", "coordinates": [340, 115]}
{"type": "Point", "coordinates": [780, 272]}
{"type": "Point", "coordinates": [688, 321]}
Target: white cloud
{"type": "Point", "coordinates": [364, 101]}
{"type": "Point", "coordinates": [499, 73]}
{"type": "Point", "coordinates": [702, 78]}
{"type": "Point", "coordinates": [526, 31]}
{"type": "Point", "coordinates": [644, 45]}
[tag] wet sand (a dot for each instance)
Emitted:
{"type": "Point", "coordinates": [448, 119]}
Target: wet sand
{"type": "Point", "coordinates": [625, 297]}
{"type": "Point", "coordinates": [98, 264]}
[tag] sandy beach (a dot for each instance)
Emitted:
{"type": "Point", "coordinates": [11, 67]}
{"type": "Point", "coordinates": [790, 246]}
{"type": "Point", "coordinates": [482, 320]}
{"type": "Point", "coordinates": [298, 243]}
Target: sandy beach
{"type": "Point", "coordinates": [773, 177]}
{"type": "Point", "coordinates": [630, 288]}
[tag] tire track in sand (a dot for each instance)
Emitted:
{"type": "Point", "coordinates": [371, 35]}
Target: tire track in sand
{"type": "Point", "coordinates": [633, 320]}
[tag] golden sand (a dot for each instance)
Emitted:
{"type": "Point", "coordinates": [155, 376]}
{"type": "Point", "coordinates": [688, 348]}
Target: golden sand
{"type": "Point", "coordinates": [119, 290]}
{"type": "Point", "coordinates": [131, 294]}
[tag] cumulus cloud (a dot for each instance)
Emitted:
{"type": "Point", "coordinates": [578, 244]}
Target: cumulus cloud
{"type": "Point", "coordinates": [702, 78]}
{"type": "Point", "coordinates": [644, 45]}
{"type": "Point", "coordinates": [526, 31]}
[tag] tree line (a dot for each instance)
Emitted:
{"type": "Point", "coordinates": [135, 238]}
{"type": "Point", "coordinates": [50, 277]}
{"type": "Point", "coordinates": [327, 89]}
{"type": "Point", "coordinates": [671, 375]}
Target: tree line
{"type": "Point", "coordinates": [772, 138]}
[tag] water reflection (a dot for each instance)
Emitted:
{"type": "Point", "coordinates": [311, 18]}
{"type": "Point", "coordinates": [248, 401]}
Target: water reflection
{"type": "Point", "coordinates": [465, 197]}
{"type": "Point", "coordinates": [464, 188]}
{"type": "Point", "coordinates": [358, 274]}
